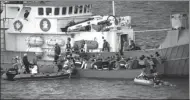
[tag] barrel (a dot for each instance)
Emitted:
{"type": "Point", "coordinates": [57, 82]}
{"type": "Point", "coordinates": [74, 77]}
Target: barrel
{"type": "Point", "coordinates": [91, 44]}
{"type": "Point", "coordinates": [53, 41]}
{"type": "Point", "coordinates": [38, 51]}
{"type": "Point", "coordinates": [35, 41]}
{"type": "Point", "coordinates": [51, 52]}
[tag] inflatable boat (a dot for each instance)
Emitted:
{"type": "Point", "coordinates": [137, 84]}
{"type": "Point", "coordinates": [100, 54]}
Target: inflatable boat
{"type": "Point", "coordinates": [12, 75]}
{"type": "Point", "coordinates": [143, 81]}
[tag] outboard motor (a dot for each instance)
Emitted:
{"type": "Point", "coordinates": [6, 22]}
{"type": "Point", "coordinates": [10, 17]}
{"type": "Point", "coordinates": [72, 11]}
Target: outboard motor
{"type": "Point", "coordinates": [11, 73]}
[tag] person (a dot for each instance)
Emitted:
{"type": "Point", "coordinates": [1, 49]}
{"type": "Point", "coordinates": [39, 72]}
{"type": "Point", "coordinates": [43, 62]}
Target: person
{"type": "Point", "coordinates": [26, 63]}
{"type": "Point", "coordinates": [60, 64]}
{"type": "Point", "coordinates": [85, 47]}
{"type": "Point", "coordinates": [93, 60]}
{"type": "Point", "coordinates": [84, 64]}
{"type": "Point", "coordinates": [26, 15]}
{"type": "Point", "coordinates": [141, 62]}
{"type": "Point", "coordinates": [105, 63]}
{"type": "Point", "coordinates": [132, 46]}
{"type": "Point", "coordinates": [68, 45]}
{"type": "Point", "coordinates": [34, 69]}
{"type": "Point", "coordinates": [17, 65]}
{"type": "Point", "coordinates": [105, 46]}
{"type": "Point", "coordinates": [122, 63]}
{"type": "Point", "coordinates": [112, 63]}
{"type": "Point", "coordinates": [125, 45]}
{"type": "Point", "coordinates": [57, 53]}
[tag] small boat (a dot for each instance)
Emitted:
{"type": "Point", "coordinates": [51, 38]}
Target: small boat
{"type": "Point", "coordinates": [11, 75]}
{"type": "Point", "coordinates": [143, 81]}
{"type": "Point", "coordinates": [108, 74]}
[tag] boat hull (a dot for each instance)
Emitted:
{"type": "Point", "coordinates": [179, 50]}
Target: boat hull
{"type": "Point", "coordinates": [38, 76]}
{"type": "Point", "coordinates": [143, 82]}
{"type": "Point", "coordinates": [108, 74]}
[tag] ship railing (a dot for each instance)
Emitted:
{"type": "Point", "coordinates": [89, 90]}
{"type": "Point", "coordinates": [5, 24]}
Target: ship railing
{"type": "Point", "coordinates": [5, 22]}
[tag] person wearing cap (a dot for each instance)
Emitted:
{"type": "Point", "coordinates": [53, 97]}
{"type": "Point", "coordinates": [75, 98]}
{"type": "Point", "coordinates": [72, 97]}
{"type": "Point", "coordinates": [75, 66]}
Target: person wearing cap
{"type": "Point", "coordinates": [26, 63]}
{"type": "Point", "coordinates": [57, 53]}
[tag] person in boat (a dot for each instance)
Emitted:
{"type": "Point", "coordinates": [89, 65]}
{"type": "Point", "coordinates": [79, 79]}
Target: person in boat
{"type": "Point", "coordinates": [17, 65]}
{"type": "Point", "coordinates": [128, 63]}
{"type": "Point", "coordinates": [112, 62]}
{"type": "Point", "coordinates": [26, 15]}
{"type": "Point", "coordinates": [84, 64]}
{"type": "Point", "coordinates": [26, 63]}
{"type": "Point", "coordinates": [92, 61]}
{"type": "Point", "coordinates": [78, 62]}
{"type": "Point", "coordinates": [122, 63]}
{"type": "Point", "coordinates": [60, 63]}
{"type": "Point", "coordinates": [57, 52]}
{"type": "Point", "coordinates": [106, 46]}
{"type": "Point", "coordinates": [34, 69]}
{"type": "Point", "coordinates": [105, 63]}
{"type": "Point", "coordinates": [76, 48]}
{"type": "Point", "coordinates": [98, 62]}
{"type": "Point", "coordinates": [66, 64]}
{"type": "Point", "coordinates": [82, 46]}
{"type": "Point", "coordinates": [141, 62]}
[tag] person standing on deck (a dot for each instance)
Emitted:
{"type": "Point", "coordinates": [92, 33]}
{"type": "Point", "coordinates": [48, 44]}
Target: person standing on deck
{"type": "Point", "coordinates": [132, 46]}
{"type": "Point", "coordinates": [106, 46]}
{"type": "Point", "coordinates": [26, 63]}
{"type": "Point", "coordinates": [125, 45]}
{"type": "Point", "coordinates": [57, 53]}
{"type": "Point", "coordinates": [85, 47]}
{"type": "Point", "coordinates": [68, 46]}
{"type": "Point", "coordinates": [26, 15]}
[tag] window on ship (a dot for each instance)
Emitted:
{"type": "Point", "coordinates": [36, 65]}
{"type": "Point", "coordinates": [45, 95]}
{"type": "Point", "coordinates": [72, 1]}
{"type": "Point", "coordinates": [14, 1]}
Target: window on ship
{"type": "Point", "coordinates": [84, 8]}
{"type": "Point", "coordinates": [76, 9]}
{"type": "Point", "coordinates": [70, 10]}
{"type": "Point", "coordinates": [81, 7]}
{"type": "Point", "coordinates": [40, 11]}
{"type": "Point", "coordinates": [48, 11]}
{"type": "Point", "coordinates": [56, 12]}
{"type": "Point", "coordinates": [88, 8]}
{"type": "Point", "coordinates": [64, 10]}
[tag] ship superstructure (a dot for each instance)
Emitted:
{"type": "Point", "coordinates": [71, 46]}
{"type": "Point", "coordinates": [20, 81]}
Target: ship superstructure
{"type": "Point", "coordinates": [50, 22]}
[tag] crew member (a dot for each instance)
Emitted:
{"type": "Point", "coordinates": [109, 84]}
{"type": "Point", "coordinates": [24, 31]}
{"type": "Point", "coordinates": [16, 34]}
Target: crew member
{"type": "Point", "coordinates": [26, 63]}
{"type": "Point", "coordinates": [26, 15]}
{"type": "Point", "coordinates": [57, 53]}
{"type": "Point", "coordinates": [105, 46]}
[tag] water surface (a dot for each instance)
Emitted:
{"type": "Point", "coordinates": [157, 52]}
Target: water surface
{"type": "Point", "coordinates": [90, 88]}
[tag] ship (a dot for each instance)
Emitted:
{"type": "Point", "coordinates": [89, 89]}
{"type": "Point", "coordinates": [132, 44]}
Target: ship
{"type": "Point", "coordinates": [51, 22]}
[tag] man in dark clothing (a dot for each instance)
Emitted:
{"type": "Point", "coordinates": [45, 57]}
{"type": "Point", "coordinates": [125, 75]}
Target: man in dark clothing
{"type": "Point", "coordinates": [132, 46]}
{"type": "Point", "coordinates": [26, 15]}
{"type": "Point", "coordinates": [105, 46]}
{"type": "Point", "coordinates": [68, 46]}
{"type": "Point", "coordinates": [57, 53]}
{"type": "Point", "coordinates": [26, 63]}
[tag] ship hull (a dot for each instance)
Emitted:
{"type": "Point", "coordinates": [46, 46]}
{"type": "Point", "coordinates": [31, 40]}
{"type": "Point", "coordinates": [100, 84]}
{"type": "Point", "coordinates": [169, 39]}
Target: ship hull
{"type": "Point", "coordinates": [108, 74]}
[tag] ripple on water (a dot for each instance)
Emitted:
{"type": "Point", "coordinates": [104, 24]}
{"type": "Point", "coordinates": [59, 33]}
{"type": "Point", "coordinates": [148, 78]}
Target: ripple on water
{"type": "Point", "coordinates": [89, 88]}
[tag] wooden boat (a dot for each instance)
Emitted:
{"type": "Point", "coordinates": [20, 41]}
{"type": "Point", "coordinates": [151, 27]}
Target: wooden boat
{"type": "Point", "coordinates": [108, 74]}
{"type": "Point", "coordinates": [36, 76]}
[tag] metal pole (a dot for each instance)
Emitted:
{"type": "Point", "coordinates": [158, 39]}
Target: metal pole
{"type": "Point", "coordinates": [113, 7]}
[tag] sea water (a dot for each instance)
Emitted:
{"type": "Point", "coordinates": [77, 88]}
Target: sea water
{"type": "Point", "coordinates": [91, 88]}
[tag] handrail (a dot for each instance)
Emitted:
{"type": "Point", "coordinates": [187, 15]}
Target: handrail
{"type": "Point", "coordinates": [154, 30]}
